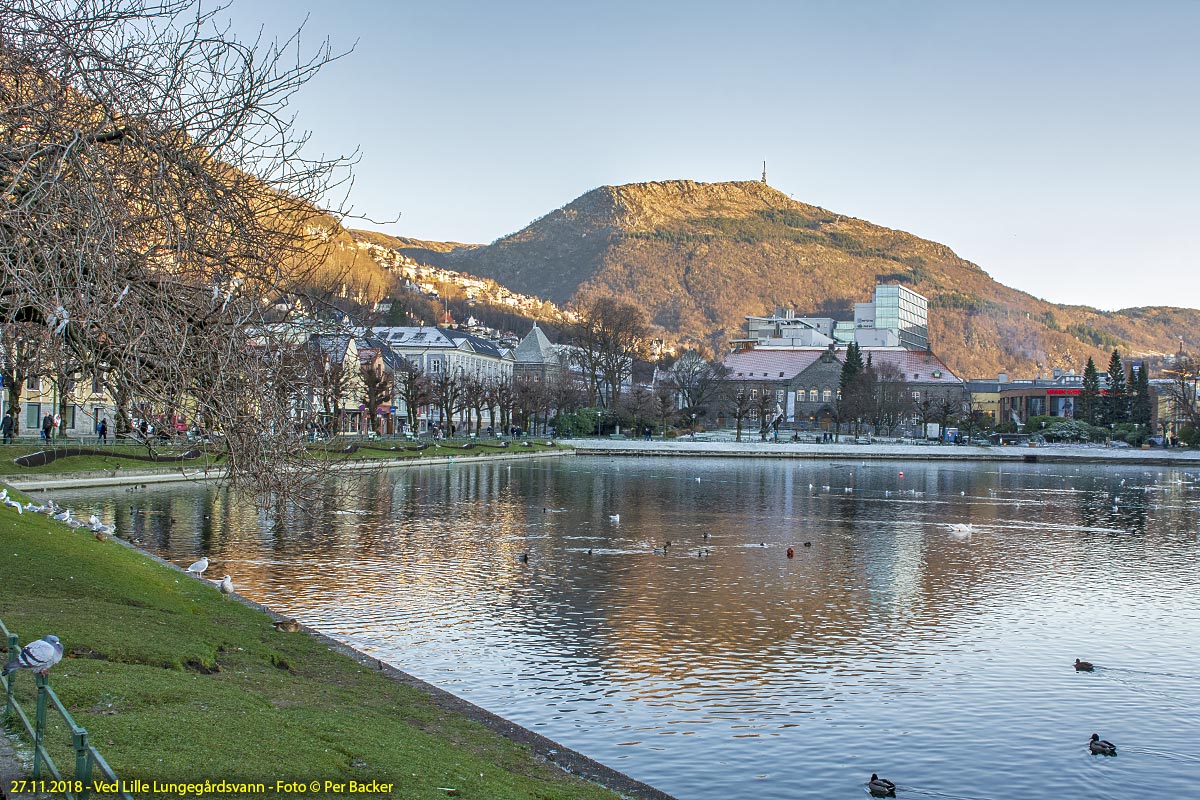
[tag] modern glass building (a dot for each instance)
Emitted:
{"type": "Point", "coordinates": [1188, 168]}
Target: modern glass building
{"type": "Point", "coordinates": [902, 310]}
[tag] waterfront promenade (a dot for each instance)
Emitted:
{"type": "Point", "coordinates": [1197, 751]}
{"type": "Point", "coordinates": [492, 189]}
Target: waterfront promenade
{"type": "Point", "coordinates": [721, 446]}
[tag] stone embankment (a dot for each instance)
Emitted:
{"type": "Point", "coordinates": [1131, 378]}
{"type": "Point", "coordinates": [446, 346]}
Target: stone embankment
{"type": "Point", "coordinates": [125, 477]}
{"type": "Point", "coordinates": [1047, 454]}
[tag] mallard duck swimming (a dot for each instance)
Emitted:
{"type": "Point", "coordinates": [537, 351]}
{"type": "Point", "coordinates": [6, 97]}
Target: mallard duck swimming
{"type": "Point", "coordinates": [881, 787]}
{"type": "Point", "coordinates": [1083, 666]}
{"type": "Point", "coordinates": [1102, 747]}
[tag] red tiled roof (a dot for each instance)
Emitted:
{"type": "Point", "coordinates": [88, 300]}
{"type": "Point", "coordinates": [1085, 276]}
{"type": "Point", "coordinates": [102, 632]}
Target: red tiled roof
{"type": "Point", "coordinates": [767, 364]}
{"type": "Point", "coordinates": [917, 365]}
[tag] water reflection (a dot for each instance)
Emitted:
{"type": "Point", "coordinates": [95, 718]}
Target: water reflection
{"type": "Point", "coordinates": [891, 644]}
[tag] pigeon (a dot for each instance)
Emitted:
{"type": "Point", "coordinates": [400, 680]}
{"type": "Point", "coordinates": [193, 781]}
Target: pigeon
{"type": "Point", "coordinates": [198, 567]}
{"type": "Point", "coordinates": [37, 656]}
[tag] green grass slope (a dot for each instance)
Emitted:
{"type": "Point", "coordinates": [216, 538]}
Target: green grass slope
{"type": "Point", "coordinates": [175, 681]}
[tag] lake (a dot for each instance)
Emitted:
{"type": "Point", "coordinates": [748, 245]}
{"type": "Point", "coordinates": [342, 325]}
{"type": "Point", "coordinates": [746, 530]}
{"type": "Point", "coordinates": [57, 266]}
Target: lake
{"type": "Point", "coordinates": [719, 667]}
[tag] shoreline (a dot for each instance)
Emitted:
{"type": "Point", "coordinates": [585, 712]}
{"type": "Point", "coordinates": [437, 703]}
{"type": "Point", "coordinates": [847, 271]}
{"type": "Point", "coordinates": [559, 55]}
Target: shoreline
{"type": "Point", "coordinates": [448, 706]}
{"type": "Point", "coordinates": [569, 761]}
{"type": "Point", "coordinates": [885, 452]}
{"type": "Point", "coordinates": [124, 477]}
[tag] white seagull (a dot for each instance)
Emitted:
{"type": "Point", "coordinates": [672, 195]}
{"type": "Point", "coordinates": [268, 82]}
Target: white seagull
{"type": "Point", "coordinates": [197, 568]}
{"type": "Point", "coordinates": [10, 502]}
{"type": "Point", "coordinates": [225, 585]}
{"type": "Point", "coordinates": [614, 517]}
{"type": "Point", "coordinates": [961, 528]}
{"type": "Point", "coordinates": [37, 656]}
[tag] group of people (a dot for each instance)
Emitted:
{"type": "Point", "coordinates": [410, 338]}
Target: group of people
{"type": "Point", "coordinates": [8, 428]}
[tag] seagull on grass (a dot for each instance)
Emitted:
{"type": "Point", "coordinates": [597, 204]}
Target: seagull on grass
{"type": "Point", "coordinates": [197, 568]}
{"type": "Point", "coordinates": [8, 501]}
{"type": "Point", "coordinates": [37, 656]}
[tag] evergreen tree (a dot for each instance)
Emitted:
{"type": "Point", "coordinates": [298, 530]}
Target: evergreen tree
{"type": "Point", "coordinates": [1141, 407]}
{"type": "Point", "coordinates": [1116, 406]}
{"type": "Point", "coordinates": [852, 367]}
{"type": "Point", "coordinates": [853, 403]}
{"type": "Point", "coordinates": [1089, 396]}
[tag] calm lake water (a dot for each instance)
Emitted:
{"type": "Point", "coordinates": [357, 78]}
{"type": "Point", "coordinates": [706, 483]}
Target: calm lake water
{"type": "Point", "coordinates": [892, 644]}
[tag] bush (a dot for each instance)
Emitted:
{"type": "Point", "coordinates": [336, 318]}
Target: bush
{"type": "Point", "coordinates": [577, 423]}
{"type": "Point", "coordinates": [1190, 436]}
{"type": "Point", "coordinates": [1067, 430]}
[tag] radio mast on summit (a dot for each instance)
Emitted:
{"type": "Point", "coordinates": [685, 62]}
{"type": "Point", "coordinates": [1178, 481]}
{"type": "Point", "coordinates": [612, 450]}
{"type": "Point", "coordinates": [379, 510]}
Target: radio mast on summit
{"type": "Point", "coordinates": [764, 179]}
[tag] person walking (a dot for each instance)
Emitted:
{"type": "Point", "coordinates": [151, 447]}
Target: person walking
{"type": "Point", "coordinates": [6, 427]}
{"type": "Point", "coordinates": [47, 427]}
{"type": "Point", "coordinates": [102, 431]}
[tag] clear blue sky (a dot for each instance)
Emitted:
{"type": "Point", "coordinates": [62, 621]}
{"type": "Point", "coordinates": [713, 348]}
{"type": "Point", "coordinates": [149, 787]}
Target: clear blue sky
{"type": "Point", "coordinates": [1055, 144]}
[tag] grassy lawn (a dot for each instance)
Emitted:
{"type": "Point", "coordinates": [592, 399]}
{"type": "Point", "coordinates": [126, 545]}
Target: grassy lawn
{"type": "Point", "coordinates": [116, 457]}
{"type": "Point", "coordinates": [175, 681]}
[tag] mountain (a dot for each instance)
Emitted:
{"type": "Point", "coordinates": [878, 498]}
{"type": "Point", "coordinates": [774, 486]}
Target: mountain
{"type": "Point", "coordinates": [699, 257]}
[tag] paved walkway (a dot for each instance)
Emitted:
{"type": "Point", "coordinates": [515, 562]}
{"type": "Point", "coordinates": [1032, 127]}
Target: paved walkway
{"type": "Point", "coordinates": [884, 451]}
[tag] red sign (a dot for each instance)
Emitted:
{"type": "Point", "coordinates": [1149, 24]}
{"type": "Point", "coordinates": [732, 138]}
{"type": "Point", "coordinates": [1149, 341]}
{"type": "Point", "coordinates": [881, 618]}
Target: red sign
{"type": "Point", "coordinates": [1071, 392]}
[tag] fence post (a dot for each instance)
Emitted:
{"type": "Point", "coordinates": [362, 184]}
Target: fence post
{"type": "Point", "coordinates": [13, 651]}
{"type": "Point", "coordinates": [83, 762]}
{"type": "Point", "coordinates": [39, 729]}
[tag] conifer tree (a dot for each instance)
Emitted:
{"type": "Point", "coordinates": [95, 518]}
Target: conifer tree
{"type": "Point", "coordinates": [1089, 397]}
{"type": "Point", "coordinates": [1116, 404]}
{"type": "Point", "coordinates": [1141, 407]}
{"type": "Point", "coordinates": [852, 367]}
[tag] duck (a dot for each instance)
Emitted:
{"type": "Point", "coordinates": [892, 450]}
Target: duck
{"type": "Point", "coordinates": [1101, 747]}
{"type": "Point", "coordinates": [881, 787]}
{"type": "Point", "coordinates": [286, 625]}
{"type": "Point", "coordinates": [524, 557]}
{"type": "Point", "coordinates": [1083, 666]}
{"type": "Point", "coordinates": [808, 544]}
{"type": "Point", "coordinates": [614, 517]}
{"type": "Point", "coordinates": [791, 553]}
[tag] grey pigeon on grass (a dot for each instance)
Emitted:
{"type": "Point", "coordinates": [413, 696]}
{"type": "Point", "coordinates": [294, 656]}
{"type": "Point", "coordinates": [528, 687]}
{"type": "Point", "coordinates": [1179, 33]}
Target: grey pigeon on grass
{"type": "Point", "coordinates": [37, 656]}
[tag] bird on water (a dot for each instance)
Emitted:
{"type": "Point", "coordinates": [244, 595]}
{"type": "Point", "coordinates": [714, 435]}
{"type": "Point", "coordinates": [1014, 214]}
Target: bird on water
{"type": "Point", "coordinates": [1083, 666]}
{"type": "Point", "coordinates": [881, 787]}
{"type": "Point", "coordinates": [1101, 747]}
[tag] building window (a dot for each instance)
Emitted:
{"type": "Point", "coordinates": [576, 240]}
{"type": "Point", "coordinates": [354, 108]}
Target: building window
{"type": "Point", "coordinates": [754, 394]}
{"type": "Point", "coordinates": [828, 395]}
{"type": "Point", "coordinates": [812, 395]}
{"type": "Point", "coordinates": [33, 383]}
{"type": "Point", "coordinates": [435, 366]}
{"type": "Point", "coordinates": [916, 395]}
{"type": "Point", "coordinates": [779, 395]}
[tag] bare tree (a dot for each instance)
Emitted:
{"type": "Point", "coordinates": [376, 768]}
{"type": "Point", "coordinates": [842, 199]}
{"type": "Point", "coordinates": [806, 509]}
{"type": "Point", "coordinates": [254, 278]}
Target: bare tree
{"type": "Point", "coordinates": [447, 390]}
{"type": "Point", "coordinates": [611, 334]}
{"type": "Point", "coordinates": [377, 390]}
{"type": "Point", "coordinates": [892, 398]}
{"type": "Point", "coordinates": [737, 398]}
{"type": "Point", "coordinates": [155, 192]}
{"type": "Point", "coordinates": [1181, 391]}
{"type": "Point", "coordinates": [413, 389]}
{"type": "Point", "coordinates": [696, 380]}
{"type": "Point", "coordinates": [23, 355]}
